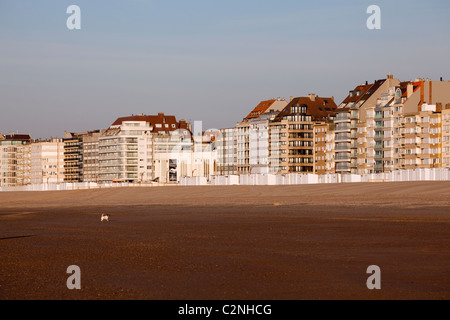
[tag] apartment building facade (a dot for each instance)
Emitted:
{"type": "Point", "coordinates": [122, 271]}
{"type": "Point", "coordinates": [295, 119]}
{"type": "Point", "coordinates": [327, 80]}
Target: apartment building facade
{"type": "Point", "coordinates": [73, 157]}
{"type": "Point", "coordinates": [226, 145]}
{"type": "Point", "coordinates": [419, 130]}
{"type": "Point", "coordinates": [11, 172]}
{"type": "Point", "coordinates": [446, 136]}
{"type": "Point", "coordinates": [356, 126]}
{"type": "Point", "coordinates": [252, 140]}
{"type": "Point", "coordinates": [90, 155]}
{"type": "Point", "coordinates": [291, 133]}
{"type": "Point", "coordinates": [23, 164]}
{"type": "Point", "coordinates": [127, 149]}
{"type": "Point", "coordinates": [47, 162]}
{"type": "Point", "coordinates": [324, 148]}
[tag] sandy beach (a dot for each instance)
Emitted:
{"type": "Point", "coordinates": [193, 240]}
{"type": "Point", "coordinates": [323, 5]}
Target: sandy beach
{"type": "Point", "coordinates": [228, 243]}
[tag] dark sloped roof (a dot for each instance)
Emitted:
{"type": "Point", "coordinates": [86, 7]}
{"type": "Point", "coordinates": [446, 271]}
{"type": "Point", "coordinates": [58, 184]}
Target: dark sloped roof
{"type": "Point", "coordinates": [21, 137]}
{"type": "Point", "coordinates": [319, 109]}
{"type": "Point", "coordinates": [161, 118]}
{"type": "Point", "coordinates": [365, 91]}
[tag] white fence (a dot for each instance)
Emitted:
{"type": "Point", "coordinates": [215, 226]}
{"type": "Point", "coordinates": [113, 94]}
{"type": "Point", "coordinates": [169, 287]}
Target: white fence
{"type": "Point", "coordinates": [436, 174]}
{"type": "Point", "coordinates": [73, 186]}
{"type": "Point", "coordinates": [193, 181]}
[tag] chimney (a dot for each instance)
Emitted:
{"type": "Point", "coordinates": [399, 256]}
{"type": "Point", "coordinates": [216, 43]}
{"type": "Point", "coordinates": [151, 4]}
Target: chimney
{"type": "Point", "coordinates": [292, 98]}
{"type": "Point", "coordinates": [447, 106]}
{"type": "Point", "coordinates": [409, 90]}
{"type": "Point", "coordinates": [438, 107]}
{"type": "Point", "coordinates": [367, 83]}
{"type": "Point", "coordinates": [312, 96]}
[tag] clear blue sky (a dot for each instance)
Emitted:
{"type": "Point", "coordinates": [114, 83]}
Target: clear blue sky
{"type": "Point", "coordinates": [201, 60]}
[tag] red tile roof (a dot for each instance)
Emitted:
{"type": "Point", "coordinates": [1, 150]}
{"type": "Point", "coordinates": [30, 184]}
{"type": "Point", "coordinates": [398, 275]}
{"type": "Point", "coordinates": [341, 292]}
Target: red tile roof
{"type": "Point", "coordinates": [260, 109]}
{"type": "Point", "coordinates": [365, 91]}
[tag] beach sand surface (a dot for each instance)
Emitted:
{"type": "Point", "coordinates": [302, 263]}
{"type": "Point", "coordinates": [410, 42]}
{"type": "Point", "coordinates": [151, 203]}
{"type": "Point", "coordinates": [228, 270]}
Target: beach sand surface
{"type": "Point", "coordinates": [228, 243]}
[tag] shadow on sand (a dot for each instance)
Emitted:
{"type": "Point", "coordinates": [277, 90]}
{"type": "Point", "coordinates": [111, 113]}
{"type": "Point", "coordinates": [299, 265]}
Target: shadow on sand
{"type": "Point", "coordinates": [17, 237]}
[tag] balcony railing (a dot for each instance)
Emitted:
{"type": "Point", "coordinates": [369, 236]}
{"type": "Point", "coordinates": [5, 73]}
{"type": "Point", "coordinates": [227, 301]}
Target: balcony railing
{"type": "Point", "coordinates": [342, 117]}
{"type": "Point", "coordinates": [342, 147]}
{"type": "Point", "coordinates": [340, 158]}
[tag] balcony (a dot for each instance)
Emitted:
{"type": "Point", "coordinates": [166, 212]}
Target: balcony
{"type": "Point", "coordinates": [342, 167]}
{"type": "Point", "coordinates": [342, 137]}
{"type": "Point", "coordinates": [342, 158]}
{"type": "Point", "coordinates": [342, 147]}
{"type": "Point", "coordinates": [342, 117]}
{"type": "Point", "coordinates": [342, 127]}
{"type": "Point", "coordinates": [378, 166]}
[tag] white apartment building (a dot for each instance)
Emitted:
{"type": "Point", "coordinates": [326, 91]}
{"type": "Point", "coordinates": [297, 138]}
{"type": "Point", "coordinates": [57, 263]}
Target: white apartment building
{"type": "Point", "coordinates": [47, 162]}
{"type": "Point", "coordinates": [259, 145]}
{"type": "Point", "coordinates": [180, 156]}
{"type": "Point", "coordinates": [226, 145]}
{"type": "Point", "coordinates": [126, 149]}
{"type": "Point", "coordinates": [140, 149]}
{"type": "Point", "coordinates": [252, 137]}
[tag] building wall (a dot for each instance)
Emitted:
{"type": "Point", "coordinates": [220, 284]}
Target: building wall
{"type": "Point", "coordinates": [120, 153]}
{"type": "Point", "coordinates": [11, 173]}
{"type": "Point", "coordinates": [446, 137]}
{"type": "Point", "coordinates": [342, 127]}
{"type": "Point", "coordinates": [320, 148]}
{"type": "Point", "coordinates": [243, 147]}
{"type": "Point", "coordinates": [294, 149]}
{"type": "Point", "coordinates": [24, 164]}
{"type": "Point", "coordinates": [73, 157]}
{"type": "Point", "coordinates": [47, 162]}
{"type": "Point", "coordinates": [90, 146]}
{"type": "Point", "coordinates": [330, 149]}
{"type": "Point", "coordinates": [226, 152]}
